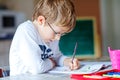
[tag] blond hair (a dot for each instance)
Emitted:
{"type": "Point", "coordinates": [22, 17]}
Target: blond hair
{"type": "Point", "coordinates": [59, 12]}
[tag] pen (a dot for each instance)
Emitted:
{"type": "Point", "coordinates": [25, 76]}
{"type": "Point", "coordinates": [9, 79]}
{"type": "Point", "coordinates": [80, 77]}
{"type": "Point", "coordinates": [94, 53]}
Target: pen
{"type": "Point", "coordinates": [74, 52]}
{"type": "Point", "coordinates": [114, 76]}
{"type": "Point", "coordinates": [96, 77]}
{"type": "Point", "coordinates": [112, 73]}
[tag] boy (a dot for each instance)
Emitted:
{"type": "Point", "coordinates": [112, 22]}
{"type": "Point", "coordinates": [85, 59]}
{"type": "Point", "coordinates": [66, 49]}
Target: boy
{"type": "Point", "coordinates": [34, 48]}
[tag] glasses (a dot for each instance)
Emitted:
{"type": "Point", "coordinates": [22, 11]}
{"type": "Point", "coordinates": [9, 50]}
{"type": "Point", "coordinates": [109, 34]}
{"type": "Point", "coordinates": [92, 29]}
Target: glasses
{"type": "Point", "coordinates": [56, 33]}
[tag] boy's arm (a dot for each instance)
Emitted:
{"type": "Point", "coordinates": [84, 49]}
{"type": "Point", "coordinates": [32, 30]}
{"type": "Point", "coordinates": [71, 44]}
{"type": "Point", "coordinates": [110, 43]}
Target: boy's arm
{"type": "Point", "coordinates": [31, 58]}
{"type": "Point", "coordinates": [62, 60]}
{"type": "Point", "coordinates": [58, 56]}
{"type": "Point", "coordinates": [30, 53]}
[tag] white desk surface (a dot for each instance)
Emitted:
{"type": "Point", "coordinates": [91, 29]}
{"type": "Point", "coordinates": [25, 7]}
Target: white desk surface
{"type": "Point", "coordinates": [46, 76]}
{"type": "Point", "coordinates": [38, 77]}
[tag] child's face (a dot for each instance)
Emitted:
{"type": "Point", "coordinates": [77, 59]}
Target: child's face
{"type": "Point", "coordinates": [51, 32]}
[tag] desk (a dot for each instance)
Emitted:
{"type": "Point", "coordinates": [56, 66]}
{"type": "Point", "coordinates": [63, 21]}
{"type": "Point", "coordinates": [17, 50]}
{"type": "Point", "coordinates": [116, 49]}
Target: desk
{"type": "Point", "coordinates": [38, 77]}
{"type": "Point", "coordinates": [47, 76]}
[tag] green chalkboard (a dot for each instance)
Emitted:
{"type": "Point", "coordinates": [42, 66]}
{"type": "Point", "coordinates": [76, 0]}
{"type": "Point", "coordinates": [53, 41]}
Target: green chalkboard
{"type": "Point", "coordinates": [85, 34]}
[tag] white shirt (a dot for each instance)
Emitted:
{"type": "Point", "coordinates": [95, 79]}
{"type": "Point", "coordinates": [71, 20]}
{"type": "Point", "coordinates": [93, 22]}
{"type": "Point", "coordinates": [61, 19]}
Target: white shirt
{"type": "Point", "coordinates": [30, 54]}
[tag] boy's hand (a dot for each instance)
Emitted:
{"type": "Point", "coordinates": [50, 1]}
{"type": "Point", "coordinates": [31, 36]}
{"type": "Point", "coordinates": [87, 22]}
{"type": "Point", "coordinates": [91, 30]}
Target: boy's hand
{"type": "Point", "coordinates": [73, 66]}
{"type": "Point", "coordinates": [54, 63]}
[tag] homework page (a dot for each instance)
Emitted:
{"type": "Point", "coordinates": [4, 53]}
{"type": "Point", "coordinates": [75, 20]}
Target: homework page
{"type": "Point", "coordinates": [84, 69]}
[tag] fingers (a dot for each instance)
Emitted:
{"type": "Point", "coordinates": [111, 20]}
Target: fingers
{"type": "Point", "coordinates": [75, 65]}
{"type": "Point", "coordinates": [72, 65]}
{"type": "Point", "coordinates": [54, 63]}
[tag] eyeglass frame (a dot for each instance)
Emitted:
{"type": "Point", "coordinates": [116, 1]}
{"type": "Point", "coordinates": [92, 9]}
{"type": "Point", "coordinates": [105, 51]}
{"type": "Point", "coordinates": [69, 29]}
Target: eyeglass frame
{"type": "Point", "coordinates": [56, 33]}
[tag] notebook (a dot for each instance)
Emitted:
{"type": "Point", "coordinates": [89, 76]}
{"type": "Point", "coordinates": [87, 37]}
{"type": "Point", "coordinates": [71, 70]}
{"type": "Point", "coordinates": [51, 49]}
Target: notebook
{"type": "Point", "coordinates": [84, 69]}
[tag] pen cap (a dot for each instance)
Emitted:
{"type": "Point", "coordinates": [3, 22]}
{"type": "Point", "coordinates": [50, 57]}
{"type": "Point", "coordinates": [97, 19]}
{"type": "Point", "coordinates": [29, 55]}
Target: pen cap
{"type": "Point", "coordinates": [115, 58]}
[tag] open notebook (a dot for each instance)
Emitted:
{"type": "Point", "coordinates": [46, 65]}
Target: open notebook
{"type": "Point", "coordinates": [84, 69]}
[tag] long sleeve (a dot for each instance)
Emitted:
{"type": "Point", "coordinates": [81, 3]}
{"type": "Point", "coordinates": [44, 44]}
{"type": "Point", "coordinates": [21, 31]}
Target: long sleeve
{"type": "Point", "coordinates": [25, 53]}
{"type": "Point", "coordinates": [30, 53]}
{"type": "Point", "coordinates": [58, 56]}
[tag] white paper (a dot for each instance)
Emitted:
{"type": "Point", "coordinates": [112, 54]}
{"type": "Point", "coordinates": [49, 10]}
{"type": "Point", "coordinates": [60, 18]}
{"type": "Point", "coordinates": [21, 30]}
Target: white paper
{"type": "Point", "coordinates": [85, 69]}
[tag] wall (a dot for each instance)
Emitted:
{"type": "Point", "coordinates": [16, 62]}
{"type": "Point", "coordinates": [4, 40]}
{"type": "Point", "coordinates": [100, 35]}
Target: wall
{"type": "Point", "coordinates": [87, 8]}
{"type": "Point", "coordinates": [4, 52]}
{"type": "Point", "coordinates": [107, 13]}
{"type": "Point", "coordinates": [90, 8]}
{"type": "Point", "coordinates": [25, 6]}
{"type": "Point", "coordinates": [110, 19]}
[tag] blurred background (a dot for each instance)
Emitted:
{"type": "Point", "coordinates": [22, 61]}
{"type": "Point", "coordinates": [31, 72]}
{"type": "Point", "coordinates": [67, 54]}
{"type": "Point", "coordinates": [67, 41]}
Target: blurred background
{"type": "Point", "coordinates": [106, 12]}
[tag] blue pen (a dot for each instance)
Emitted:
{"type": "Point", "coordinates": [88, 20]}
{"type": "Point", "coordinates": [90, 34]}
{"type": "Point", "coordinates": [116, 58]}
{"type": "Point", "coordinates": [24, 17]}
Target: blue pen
{"type": "Point", "coordinates": [113, 73]}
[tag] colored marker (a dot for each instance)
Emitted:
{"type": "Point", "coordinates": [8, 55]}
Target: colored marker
{"type": "Point", "coordinates": [114, 75]}
{"type": "Point", "coordinates": [95, 76]}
